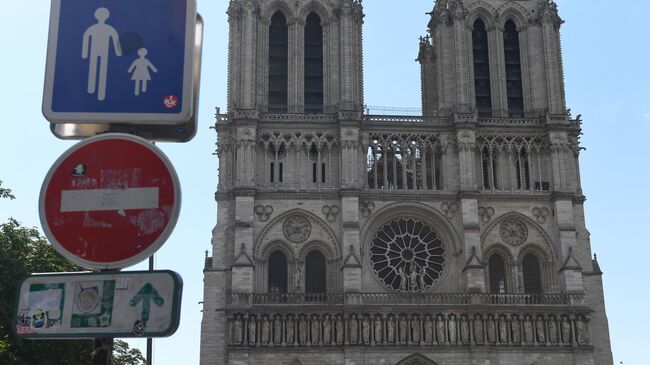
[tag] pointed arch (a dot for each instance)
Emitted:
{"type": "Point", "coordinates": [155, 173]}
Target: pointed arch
{"type": "Point", "coordinates": [327, 239]}
{"type": "Point", "coordinates": [512, 11]}
{"type": "Point", "coordinates": [284, 6]}
{"type": "Point", "coordinates": [417, 359]}
{"type": "Point", "coordinates": [543, 245]}
{"type": "Point", "coordinates": [296, 361]}
{"type": "Point", "coordinates": [322, 8]}
{"type": "Point", "coordinates": [484, 11]}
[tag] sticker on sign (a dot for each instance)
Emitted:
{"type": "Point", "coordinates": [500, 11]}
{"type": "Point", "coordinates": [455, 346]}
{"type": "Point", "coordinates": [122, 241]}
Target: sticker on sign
{"type": "Point", "coordinates": [110, 201]}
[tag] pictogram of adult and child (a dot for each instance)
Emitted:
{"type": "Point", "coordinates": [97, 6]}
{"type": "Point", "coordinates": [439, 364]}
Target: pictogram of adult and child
{"type": "Point", "coordinates": [96, 45]}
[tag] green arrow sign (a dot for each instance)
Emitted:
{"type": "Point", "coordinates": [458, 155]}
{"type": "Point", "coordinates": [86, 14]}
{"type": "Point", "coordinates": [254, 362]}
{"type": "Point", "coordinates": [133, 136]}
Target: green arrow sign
{"type": "Point", "coordinates": [146, 295]}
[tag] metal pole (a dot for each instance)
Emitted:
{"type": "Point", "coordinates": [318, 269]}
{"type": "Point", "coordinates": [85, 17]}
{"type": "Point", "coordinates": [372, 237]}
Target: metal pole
{"type": "Point", "coordinates": [149, 339]}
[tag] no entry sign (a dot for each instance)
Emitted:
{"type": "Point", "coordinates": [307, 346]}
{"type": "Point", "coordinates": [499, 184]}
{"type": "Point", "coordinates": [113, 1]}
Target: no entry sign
{"type": "Point", "coordinates": [110, 201]}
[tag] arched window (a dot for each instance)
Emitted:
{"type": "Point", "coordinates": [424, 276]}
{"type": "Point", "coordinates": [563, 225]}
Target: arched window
{"type": "Point", "coordinates": [313, 64]}
{"type": "Point", "coordinates": [482, 88]}
{"type": "Point", "coordinates": [315, 273]}
{"type": "Point", "coordinates": [532, 275]}
{"type": "Point", "coordinates": [276, 155]}
{"type": "Point", "coordinates": [278, 63]}
{"type": "Point", "coordinates": [490, 168]}
{"type": "Point", "coordinates": [522, 169]}
{"type": "Point", "coordinates": [513, 70]}
{"type": "Point", "coordinates": [497, 269]}
{"type": "Point", "coordinates": [277, 272]}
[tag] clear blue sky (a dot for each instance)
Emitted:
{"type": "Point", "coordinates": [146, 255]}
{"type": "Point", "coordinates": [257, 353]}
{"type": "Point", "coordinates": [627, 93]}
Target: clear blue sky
{"type": "Point", "coordinates": [607, 80]}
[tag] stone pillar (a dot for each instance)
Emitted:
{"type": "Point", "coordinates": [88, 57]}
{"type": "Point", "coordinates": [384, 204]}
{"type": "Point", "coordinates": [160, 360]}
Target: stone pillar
{"type": "Point", "coordinates": [352, 268]}
{"type": "Point", "coordinates": [242, 270]}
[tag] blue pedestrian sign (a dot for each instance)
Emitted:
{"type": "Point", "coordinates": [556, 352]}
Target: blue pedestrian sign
{"type": "Point", "coordinates": [122, 61]}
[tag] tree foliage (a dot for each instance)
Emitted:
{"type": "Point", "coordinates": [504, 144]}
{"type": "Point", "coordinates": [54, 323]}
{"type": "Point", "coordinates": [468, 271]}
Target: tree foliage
{"type": "Point", "coordinates": [24, 251]}
{"type": "Point", "coordinates": [123, 355]}
{"type": "Point", "coordinates": [6, 193]}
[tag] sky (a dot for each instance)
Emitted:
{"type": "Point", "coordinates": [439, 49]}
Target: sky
{"type": "Point", "coordinates": [607, 81]}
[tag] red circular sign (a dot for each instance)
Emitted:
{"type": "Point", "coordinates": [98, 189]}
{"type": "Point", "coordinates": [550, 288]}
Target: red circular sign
{"type": "Point", "coordinates": [110, 201]}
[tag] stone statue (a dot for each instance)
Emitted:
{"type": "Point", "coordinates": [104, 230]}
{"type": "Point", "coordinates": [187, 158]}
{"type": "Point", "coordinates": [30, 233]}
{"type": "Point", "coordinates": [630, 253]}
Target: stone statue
{"type": "Point", "coordinates": [552, 331]}
{"type": "Point", "coordinates": [297, 279]}
{"type": "Point", "coordinates": [266, 330]}
{"type": "Point", "coordinates": [315, 330]}
{"type": "Point", "coordinates": [478, 330]}
{"type": "Point", "coordinates": [541, 334]}
{"type": "Point", "coordinates": [302, 330]}
{"type": "Point", "coordinates": [503, 330]}
{"type": "Point", "coordinates": [581, 333]}
{"type": "Point", "coordinates": [566, 331]}
{"type": "Point", "coordinates": [528, 331]}
{"type": "Point", "coordinates": [290, 328]}
{"type": "Point", "coordinates": [516, 333]}
{"type": "Point", "coordinates": [491, 330]}
{"type": "Point", "coordinates": [415, 329]}
{"type": "Point", "coordinates": [413, 279]}
{"type": "Point", "coordinates": [452, 329]}
{"type": "Point", "coordinates": [277, 330]}
{"type": "Point", "coordinates": [327, 329]}
{"type": "Point", "coordinates": [252, 331]}
{"type": "Point", "coordinates": [403, 330]}
{"type": "Point", "coordinates": [340, 337]}
{"type": "Point", "coordinates": [354, 329]}
{"type": "Point", "coordinates": [464, 330]}
{"type": "Point", "coordinates": [428, 330]}
{"type": "Point", "coordinates": [390, 330]}
{"type": "Point", "coordinates": [237, 331]}
{"type": "Point", "coordinates": [440, 329]}
{"type": "Point", "coordinates": [403, 285]}
{"type": "Point", "coordinates": [365, 330]}
{"type": "Point", "coordinates": [423, 284]}
{"type": "Point", "coordinates": [378, 333]}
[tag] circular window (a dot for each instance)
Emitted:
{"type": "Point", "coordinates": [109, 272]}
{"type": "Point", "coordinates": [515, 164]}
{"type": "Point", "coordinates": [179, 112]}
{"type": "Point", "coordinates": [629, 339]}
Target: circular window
{"type": "Point", "coordinates": [407, 255]}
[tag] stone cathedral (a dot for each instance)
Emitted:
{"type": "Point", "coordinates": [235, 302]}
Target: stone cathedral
{"type": "Point", "coordinates": [454, 237]}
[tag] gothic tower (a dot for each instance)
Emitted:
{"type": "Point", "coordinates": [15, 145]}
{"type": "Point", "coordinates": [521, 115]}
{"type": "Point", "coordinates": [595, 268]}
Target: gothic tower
{"type": "Point", "coordinates": [455, 237]}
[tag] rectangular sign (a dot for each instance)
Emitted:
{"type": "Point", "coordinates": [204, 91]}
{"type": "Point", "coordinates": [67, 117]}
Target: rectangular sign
{"type": "Point", "coordinates": [120, 61]}
{"type": "Point", "coordinates": [119, 304]}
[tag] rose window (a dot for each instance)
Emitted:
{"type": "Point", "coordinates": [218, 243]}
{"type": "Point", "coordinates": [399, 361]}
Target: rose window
{"type": "Point", "coordinates": [407, 255]}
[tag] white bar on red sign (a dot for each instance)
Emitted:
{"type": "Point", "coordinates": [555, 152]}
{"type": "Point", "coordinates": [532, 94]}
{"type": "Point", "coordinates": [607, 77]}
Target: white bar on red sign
{"type": "Point", "coordinates": [109, 199]}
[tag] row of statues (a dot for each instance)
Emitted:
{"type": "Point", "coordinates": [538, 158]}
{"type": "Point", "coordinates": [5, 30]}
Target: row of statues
{"type": "Point", "coordinates": [408, 330]}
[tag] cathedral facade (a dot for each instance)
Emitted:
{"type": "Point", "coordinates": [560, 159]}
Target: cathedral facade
{"type": "Point", "coordinates": [454, 237]}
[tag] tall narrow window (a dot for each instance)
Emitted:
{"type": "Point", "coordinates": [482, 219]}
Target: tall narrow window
{"type": "Point", "coordinates": [313, 65]}
{"type": "Point", "coordinates": [522, 170]}
{"type": "Point", "coordinates": [277, 272]}
{"type": "Point", "coordinates": [513, 70]}
{"type": "Point", "coordinates": [278, 63]}
{"type": "Point", "coordinates": [481, 69]}
{"type": "Point", "coordinates": [490, 168]}
{"type": "Point", "coordinates": [497, 271]}
{"type": "Point", "coordinates": [532, 275]}
{"type": "Point", "coordinates": [315, 273]}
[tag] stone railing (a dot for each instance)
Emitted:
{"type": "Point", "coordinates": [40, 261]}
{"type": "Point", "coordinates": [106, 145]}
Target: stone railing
{"type": "Point", "coordinates": [402, 299]}
{"type": "Point", "coordinates": [517, 122]}
{"type": "Point", "coordinates": [452, 328]}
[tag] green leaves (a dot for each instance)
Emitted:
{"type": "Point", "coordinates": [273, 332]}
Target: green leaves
{"type": "Point", "coordinates": [6, 193]}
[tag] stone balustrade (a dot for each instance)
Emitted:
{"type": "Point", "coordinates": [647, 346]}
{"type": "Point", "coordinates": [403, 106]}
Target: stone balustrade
{"type": "Point", "coordinates": [434, 320]}
{"type": "Point", "coordinates": [244, 300]}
